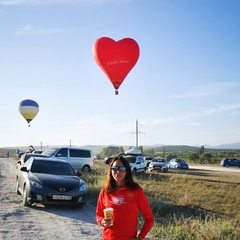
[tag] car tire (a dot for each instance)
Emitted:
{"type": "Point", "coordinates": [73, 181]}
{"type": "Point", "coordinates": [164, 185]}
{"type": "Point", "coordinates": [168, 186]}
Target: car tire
{"type": "Point", "coordinates": [25, 201]}
{"type": "Point", "coordinates": [134, 172]}
{"type": "Point", "coordinates": [85, 169]}
{"type": "Point", "coordinates": [17, 189]}
{"type": "Point", "coordinates": [227, 165]}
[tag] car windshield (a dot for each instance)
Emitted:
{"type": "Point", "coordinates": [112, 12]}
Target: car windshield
{"type": "Point", "coordinates": [131, 159]}
{"type": "Point", "coordinates": [52, 167]}
{"type": "Point", "coordinates": [181, 161]}
{"type": "Point", "coordinates": [50, 151]}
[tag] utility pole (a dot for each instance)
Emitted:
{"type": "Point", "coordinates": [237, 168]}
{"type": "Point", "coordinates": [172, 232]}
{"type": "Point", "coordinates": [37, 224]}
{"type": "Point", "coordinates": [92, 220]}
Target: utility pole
{"type": "Point", "coordinates": [137, 132]}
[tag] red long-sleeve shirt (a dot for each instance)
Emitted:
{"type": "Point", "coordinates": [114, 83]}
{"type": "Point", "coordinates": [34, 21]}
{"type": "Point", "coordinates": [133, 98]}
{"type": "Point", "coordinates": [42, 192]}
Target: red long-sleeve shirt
{"type": "Point", "coordinates": [127, 205]}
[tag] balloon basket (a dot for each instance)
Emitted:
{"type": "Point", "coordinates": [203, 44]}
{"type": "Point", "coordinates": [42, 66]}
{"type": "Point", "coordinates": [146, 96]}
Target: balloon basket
{"type": "Point", "coordinates": [116, 92]}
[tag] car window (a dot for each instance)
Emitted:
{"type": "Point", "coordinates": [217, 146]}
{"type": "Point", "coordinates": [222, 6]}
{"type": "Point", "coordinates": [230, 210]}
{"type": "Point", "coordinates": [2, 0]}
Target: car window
{"type": "Point", "coordinates": [131, 159]}
{"type": "Point", "coordinates": [62, 153]}
{"type": "Point", "coordinates": [80, 153]}
{"type": "Point", "coordinates": [52, 167]}
{"type": "Point", "coordinates": [50, 151]}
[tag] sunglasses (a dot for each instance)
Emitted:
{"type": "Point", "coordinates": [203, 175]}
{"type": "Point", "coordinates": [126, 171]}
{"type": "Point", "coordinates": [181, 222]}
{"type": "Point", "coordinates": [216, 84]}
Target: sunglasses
{"type": "Point", "coordinates": [116, 168]}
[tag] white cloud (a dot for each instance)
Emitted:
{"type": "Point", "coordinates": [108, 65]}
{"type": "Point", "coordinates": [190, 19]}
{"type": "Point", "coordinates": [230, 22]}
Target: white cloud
{"type": "Point", "coordinates": [232, 108]}
{"type": "Point", "coordinates": [194, 124]}
{"type": "Point", "coordinates": [32, 30]}
{"type": "Point", "coordinates": [208, 90]}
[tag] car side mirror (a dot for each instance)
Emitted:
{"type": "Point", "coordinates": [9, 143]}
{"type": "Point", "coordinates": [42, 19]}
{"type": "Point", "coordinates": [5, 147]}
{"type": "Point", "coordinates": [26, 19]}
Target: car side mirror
{"type": "Point", "coordinates": [24, 169]}
{"type": "Point", "coordinates": [19, 162]}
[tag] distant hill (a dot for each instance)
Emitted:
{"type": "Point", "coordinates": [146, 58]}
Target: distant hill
{"type": "Point", "coordinates": [175, 148]}
{"type": "Point", "coordinates": [226, 146]}
{"type": "Point", "coordinates": [157, 148]}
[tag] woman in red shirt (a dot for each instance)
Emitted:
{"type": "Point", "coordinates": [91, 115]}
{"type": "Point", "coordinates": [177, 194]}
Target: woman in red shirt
{"type": "Point", "coordinates": [127, 199]}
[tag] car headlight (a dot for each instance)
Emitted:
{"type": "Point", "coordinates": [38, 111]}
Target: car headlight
{"type": "Point", "coordinates": [83, 187]}
{"type": "Point", "coordinates": [36, 185]}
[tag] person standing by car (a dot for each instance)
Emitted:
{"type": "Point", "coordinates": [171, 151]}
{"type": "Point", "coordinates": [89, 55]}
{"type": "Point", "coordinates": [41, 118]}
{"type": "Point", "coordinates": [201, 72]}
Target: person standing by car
{"type": "Point", "coordinates": [127, 198]}
{"type": "Point", "coordinates": [17, 153]}
{"type": "Point", "coordinates": [31, 148]}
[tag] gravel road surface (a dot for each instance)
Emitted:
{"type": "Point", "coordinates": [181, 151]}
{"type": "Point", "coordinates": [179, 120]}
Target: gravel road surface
{"type": "Point", "coordinates": [39, 222]}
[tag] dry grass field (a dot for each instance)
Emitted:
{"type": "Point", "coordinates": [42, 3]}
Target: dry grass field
{"type": "Point", "coordinates": [187, 204]}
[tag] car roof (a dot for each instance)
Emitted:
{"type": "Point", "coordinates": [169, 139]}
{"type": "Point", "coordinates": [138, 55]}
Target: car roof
{"type": "Point", "coordinates": [33, 154]}
{"type": "Point", "coordinates": [46, 159]}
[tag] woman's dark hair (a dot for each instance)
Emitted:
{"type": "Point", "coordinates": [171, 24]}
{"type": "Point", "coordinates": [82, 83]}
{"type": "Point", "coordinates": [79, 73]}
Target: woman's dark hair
{"type": "Point", "coordinates": [129, 182]}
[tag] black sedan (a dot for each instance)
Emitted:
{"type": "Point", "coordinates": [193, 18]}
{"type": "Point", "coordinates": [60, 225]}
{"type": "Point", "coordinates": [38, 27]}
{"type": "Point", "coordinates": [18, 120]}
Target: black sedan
{"type": "Point", "coordinates": [50, 181]}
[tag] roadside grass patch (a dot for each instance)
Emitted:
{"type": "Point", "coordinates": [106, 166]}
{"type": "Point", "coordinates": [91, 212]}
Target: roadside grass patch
{"type": "Point", "coordinates": [187, 205]}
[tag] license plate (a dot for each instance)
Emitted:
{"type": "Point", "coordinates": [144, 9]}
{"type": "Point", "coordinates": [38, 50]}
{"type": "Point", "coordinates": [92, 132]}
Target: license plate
{"type": "Point", "coordinates": [61, 197]}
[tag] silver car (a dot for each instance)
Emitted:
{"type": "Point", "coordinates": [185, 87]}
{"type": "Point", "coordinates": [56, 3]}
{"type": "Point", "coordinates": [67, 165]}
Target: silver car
{"type": "Point", "coordinates": [137, 164]}
{"type": "Point", "coordinates": [159, 164]}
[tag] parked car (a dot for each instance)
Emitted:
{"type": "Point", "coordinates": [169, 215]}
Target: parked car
{"type": "Point", "coordinates": [50, 181]}
{"type": "Point", "coordinates": [135, 159]}
{"type": "Point", "coordinates": [37, 151]}
{"type": "Point", "coordinates": [159, 164]}
{"type": "Point", "coordinates": [177, 163]}
{"type": "Point", "coordinates": [233, 162]}
{"type": "Point", "coordinates": [24, 157]}
{"type": "Point", "coordinates": [107, 160]}
{"type": "Point", "coordinates": [137, 164]}
{"type": "Point", "coordinates": [148, 160]}
{"type": "Point", "coordinates": [80, 159]}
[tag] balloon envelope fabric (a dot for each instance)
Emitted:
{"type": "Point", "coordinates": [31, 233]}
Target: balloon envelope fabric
{"type": "Point", "coordinates": [28, 109]}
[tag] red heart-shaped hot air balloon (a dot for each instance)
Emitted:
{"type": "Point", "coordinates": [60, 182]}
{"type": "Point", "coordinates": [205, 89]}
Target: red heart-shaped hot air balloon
{"type": "Point", "coordinates": [116, 59]}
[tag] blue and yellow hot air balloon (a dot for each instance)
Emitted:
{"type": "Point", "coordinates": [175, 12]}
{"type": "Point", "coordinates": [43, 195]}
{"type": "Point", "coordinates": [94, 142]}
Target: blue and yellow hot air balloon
{"type": "Point", "coordinates": [28, 109]}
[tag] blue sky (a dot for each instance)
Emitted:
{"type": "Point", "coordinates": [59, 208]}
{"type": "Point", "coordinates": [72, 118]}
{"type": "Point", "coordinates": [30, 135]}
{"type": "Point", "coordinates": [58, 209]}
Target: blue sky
{"type": "Point", "coordinates": [184, 88]}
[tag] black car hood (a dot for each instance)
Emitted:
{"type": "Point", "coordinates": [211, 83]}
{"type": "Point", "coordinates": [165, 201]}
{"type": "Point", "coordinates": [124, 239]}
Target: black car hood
{"type": "Point", "coordinates": [51, 180]}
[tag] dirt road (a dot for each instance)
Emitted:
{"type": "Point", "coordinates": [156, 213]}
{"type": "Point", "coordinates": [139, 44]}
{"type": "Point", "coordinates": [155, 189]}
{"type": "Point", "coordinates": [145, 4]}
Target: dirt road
{"type": "Point", "coordinates": [39, 222]}
{"type": "Point", "coordinates": [216, 169]}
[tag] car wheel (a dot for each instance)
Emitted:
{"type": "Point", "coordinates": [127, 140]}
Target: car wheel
{"type": "Point", "coordinates": [144, 170]}
{"type": "Point", "coordinates": [134, 172]}
{"type": "Point", "coordinates": [17, 189]}
{"type": "Point", "coordinates": [86, 169]}
{"type": "Point", "coordinates": [25, 201]}
{"type": "Point", "coordinates": [227, 165]}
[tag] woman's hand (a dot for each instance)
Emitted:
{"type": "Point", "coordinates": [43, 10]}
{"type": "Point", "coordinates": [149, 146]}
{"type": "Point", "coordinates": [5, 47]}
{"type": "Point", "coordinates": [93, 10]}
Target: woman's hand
{"type": "Point", "coordinates": [106, 222]}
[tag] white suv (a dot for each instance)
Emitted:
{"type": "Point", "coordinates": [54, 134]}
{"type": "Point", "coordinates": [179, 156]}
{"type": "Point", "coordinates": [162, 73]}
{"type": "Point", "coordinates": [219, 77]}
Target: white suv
{"type": "Point", "coordinates": [137, 164]}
